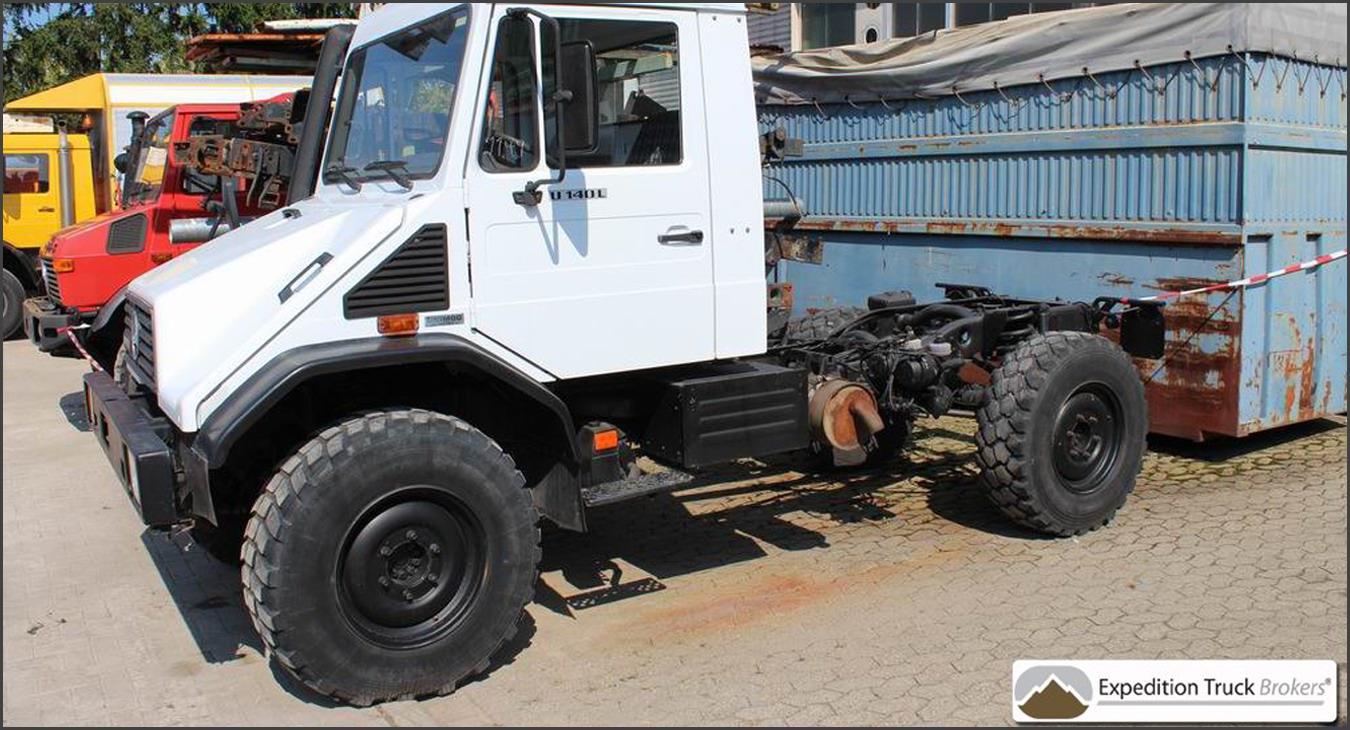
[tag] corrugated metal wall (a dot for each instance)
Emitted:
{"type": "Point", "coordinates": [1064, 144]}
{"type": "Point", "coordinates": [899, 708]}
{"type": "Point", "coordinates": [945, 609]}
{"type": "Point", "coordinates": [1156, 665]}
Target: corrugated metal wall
{"type": "Point", "coordinates": [1128, 183]}
{"type": "Point", "coordinates": [771, 29]}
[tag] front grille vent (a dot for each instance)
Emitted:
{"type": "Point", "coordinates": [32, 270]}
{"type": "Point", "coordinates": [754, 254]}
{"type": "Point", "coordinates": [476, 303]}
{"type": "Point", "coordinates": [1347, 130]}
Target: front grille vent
{"type": "Point", "coordinates": [51, 281]}
{"type": "Point", "coordinates": [127, 235]}
{"type": "Point", "coordinates": [139, 343]}
{"type": "Point", "coordinates": [414, 279]}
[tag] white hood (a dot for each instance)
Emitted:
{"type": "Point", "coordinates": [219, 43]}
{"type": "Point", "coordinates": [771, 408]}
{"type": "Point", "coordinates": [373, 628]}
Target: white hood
{"type": "Point", "coordinates": [218, 305]}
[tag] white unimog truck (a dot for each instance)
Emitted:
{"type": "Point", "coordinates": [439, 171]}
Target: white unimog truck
{"type": "Point", "coordinates": [535, 250]}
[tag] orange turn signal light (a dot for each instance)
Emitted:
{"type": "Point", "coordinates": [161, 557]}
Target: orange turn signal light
{"type": "Point", "coordinates": [159, 258]}
{"type": "Point", "coordinates": [394, 325]}
{"type": "Point", "coordinates": [63, 266]}
{"type": "Point", "coordinates": [605, 440]}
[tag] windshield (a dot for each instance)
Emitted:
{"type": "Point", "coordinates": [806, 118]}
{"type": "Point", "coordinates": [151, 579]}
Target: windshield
{"type": "Point", "coordinates": [152, 158]}
{"type": "Point", "coordinates": [393, 112]}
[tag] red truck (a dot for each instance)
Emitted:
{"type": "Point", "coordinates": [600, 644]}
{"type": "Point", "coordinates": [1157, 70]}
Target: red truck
{"type": "Point", "coordinates": [181, 187]}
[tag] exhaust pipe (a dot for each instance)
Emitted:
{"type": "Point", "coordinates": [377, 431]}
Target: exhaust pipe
{"type": "Point", "coordinates": [317, 110]}
{"type": "Point", "coordinates": [199, 230]}
{"type": "Point", "coordinates": [66, 188]}
{"type": "Point", "coordinates": [791, 209]}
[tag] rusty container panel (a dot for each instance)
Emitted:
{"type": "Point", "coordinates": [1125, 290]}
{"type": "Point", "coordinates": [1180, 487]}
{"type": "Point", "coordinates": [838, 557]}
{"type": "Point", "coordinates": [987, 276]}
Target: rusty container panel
{"type": "Point", "coordinates": [1126, 187]}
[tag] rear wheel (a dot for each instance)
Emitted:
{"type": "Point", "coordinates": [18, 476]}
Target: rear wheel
{"type": "Point", "coordinates": [821, 323]}
{"type": "Point", "coordinates": [1061, 433]}
{"type": "Point", "coordinates": [11, 318]}
{"type": "Point", "coordinates": [391, 557]}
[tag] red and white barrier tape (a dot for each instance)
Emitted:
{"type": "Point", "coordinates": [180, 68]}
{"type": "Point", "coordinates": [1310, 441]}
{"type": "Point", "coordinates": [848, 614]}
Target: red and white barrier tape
{"type": "Point", "coordinates": [1242, 283]}
{"type": "Point", "coordinates": [69, 332]}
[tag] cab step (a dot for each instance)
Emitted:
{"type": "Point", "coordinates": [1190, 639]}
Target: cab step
{"type": "Point", "coordinates": [633, 487]}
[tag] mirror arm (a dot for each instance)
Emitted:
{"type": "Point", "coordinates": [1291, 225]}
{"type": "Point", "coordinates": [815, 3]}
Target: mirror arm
{"type": "Point", "coordinates": [530, 195]}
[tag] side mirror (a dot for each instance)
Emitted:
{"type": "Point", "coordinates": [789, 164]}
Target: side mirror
{"type": "Point", "coordinates": [581, 115]}
{"type": "Point", "coordinates": [557, 96]}
{"type": "Point", "coordinates": [120, 163]}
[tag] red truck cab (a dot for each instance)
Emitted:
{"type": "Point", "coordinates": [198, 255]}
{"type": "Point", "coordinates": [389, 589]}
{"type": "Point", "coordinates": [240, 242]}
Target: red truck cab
{"type": "Point", "coordinates": [86, 265]}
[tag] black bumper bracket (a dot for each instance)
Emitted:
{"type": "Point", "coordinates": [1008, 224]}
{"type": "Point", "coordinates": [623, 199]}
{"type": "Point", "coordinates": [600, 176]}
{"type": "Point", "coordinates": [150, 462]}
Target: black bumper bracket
{"type": "Point", "coordinates": [142, 460]}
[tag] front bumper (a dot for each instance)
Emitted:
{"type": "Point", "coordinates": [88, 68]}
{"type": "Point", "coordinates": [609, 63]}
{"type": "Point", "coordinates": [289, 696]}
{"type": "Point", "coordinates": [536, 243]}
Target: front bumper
{"type": "Point", "coordinates": [44, 321]}
{"type": "Point", "coordinates": [134, 443]}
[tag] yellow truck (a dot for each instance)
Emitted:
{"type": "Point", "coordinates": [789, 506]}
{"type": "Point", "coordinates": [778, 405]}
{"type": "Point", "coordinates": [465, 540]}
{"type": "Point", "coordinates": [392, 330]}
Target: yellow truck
{"type": "Point", "coordinates": [59, 173]}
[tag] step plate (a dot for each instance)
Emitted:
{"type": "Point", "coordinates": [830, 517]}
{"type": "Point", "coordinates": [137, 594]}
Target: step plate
{"type": "Point", "coordinates": [612, 492]}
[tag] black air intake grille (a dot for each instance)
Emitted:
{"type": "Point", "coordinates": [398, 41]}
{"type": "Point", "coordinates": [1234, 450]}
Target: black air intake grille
{"type": "Point", "coordinates": [127, 235]}
{"type": "Point", "coordinates": [51, 281]}
{"type": "Point", "coordinates": [138, 342]}
{"type": "Point", "coordinates": [414, 279]}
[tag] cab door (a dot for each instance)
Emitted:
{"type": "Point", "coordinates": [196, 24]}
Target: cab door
{"type": "Point", "coordinates": [612, 269]}
{"type": "Point", "coordinates": [32, 201]}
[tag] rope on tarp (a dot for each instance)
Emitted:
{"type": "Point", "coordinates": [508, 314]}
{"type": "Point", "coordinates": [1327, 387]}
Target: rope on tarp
{"type": "Point", "coordinates": [1064, 97]}
{"type": "Point", "coordinates": [1157, 82]}
{"type": "Point", "coordinates": [1017, 107]}
{"type": "Point", "coordinates": [1205, 74]}
{"type": "Point", "coordinates": [1279, 84]}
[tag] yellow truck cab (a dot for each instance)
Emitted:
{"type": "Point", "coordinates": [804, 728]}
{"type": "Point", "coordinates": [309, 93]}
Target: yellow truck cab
{"type": "Point", "coordinates": [59, 177]}
{"type": "Point", "coordinates": [49, 184]}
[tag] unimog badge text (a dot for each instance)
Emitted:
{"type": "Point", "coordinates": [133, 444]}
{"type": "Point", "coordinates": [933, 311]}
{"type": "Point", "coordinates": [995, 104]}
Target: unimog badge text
{"type": "Point", "coordinates": [581, 194]}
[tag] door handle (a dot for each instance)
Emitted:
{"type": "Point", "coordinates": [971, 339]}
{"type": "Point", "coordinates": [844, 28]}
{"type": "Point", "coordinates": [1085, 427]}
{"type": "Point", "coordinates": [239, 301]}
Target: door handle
{"type": "Point", "coordinates": [683, 238]}
{"type": "Point", "coordinates": [46, 209]}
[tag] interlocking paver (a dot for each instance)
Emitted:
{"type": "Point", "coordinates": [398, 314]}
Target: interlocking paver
{"type": "Point", "coordinates": [895, 596]}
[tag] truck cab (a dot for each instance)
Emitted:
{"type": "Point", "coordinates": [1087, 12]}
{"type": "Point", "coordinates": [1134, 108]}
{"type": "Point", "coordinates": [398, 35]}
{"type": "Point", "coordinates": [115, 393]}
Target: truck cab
{"type": "Point", "coordinates": [48, 186]}
{"type": "Point", "coordinates": [536, 250]}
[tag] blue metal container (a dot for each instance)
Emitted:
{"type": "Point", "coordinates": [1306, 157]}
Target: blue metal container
{"type": "Point", "coordinates": [1130, 183]}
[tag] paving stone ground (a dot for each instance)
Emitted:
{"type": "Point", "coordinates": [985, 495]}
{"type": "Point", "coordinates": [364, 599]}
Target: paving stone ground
{"type": "Point", "coordinates": [770, 597]}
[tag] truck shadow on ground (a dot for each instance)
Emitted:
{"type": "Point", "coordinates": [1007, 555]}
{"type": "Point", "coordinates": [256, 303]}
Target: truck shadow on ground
{"type": "Point", "coordinates": [726, 517]}
{"type": "Point", "coordinates": [72, 407]}
{"type": "Point", "coordinates": [208, 595]}
{"type": "Point", "coordinates": [1222, 448]}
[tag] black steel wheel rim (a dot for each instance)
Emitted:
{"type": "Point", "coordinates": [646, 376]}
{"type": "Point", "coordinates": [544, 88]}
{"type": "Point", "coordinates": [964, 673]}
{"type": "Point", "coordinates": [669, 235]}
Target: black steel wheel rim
{"type": "Point", "coordinates": [1088, 435]}
{"type": "Point", "coordinates": [410, 567]}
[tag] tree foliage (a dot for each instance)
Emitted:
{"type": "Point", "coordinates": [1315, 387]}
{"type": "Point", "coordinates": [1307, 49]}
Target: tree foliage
{"type": "Point", "coordinates": [51, 43]}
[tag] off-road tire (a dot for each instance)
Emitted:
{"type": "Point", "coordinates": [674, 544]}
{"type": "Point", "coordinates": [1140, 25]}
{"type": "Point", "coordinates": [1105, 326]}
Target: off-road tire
{"type": "Point", "coordinates": [11, 319]}
{"type": "Point", "coordinates": [821, 323]}
{"type": "Point", "coordinates": [1023, 443]}
{"type": "Point", "coordinates": [318, 508]}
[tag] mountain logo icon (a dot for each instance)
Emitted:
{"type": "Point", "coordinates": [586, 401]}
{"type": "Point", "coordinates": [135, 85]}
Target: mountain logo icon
{"type": "Point", "coordinates": [1046, 692]}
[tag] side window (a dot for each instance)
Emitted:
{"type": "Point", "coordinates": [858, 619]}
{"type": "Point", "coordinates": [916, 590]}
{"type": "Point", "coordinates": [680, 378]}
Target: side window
{"type": "Point", "coordinates": [638, 73]}
{"type": "Point", "coordinates": [510, 127]}
{"type": "Point", "coordinates": [26, 174]}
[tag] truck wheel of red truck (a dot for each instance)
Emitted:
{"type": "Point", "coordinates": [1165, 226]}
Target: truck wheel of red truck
{"type": "Point", "coordinates": [391, 557]}
{"type": "Point", "coordinates": [1061, 433]}
{"type": "Point", "coordinates": [11, 320]}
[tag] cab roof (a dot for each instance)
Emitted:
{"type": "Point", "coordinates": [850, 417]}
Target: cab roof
{"type": "Point", "coordinates": [98, 91]}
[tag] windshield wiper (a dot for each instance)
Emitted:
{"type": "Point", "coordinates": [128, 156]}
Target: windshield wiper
{"type": "Point", "coordinates": [397, 170]}
{"type": "Point", "coordinates": [344, 173]}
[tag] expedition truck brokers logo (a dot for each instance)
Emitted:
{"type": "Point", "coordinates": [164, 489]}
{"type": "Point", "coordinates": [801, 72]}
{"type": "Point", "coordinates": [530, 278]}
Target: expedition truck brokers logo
{"type": "Point", "coordinates": [1052, 692]}
{"type": "Point", "coordinates": [1174, 691]}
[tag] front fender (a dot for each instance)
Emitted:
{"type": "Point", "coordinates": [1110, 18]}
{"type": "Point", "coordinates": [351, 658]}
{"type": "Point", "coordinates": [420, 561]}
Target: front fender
{"type": "Point", "coordinates": [556, 496]}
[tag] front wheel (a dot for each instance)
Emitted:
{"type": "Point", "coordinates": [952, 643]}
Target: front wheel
{"type": "Point", "coordinates": [1061, 432]}
{"type": "Point", "coordinates": [391, 557]}
{"type": "Point", "coordinates": [11, 318]}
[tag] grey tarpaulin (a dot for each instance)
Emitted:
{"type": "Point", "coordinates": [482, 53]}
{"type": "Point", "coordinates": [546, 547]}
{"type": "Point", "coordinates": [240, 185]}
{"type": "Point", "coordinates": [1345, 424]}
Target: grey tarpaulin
{"type": "Point", "coordinates": [1028, 48]}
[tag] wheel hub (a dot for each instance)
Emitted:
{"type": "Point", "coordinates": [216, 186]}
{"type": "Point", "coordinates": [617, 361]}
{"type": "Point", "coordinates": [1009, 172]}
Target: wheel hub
{"type": "Point", "coordinates": [1087, 439]}
{"type": "Point", "coordinates": [409, 568]}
